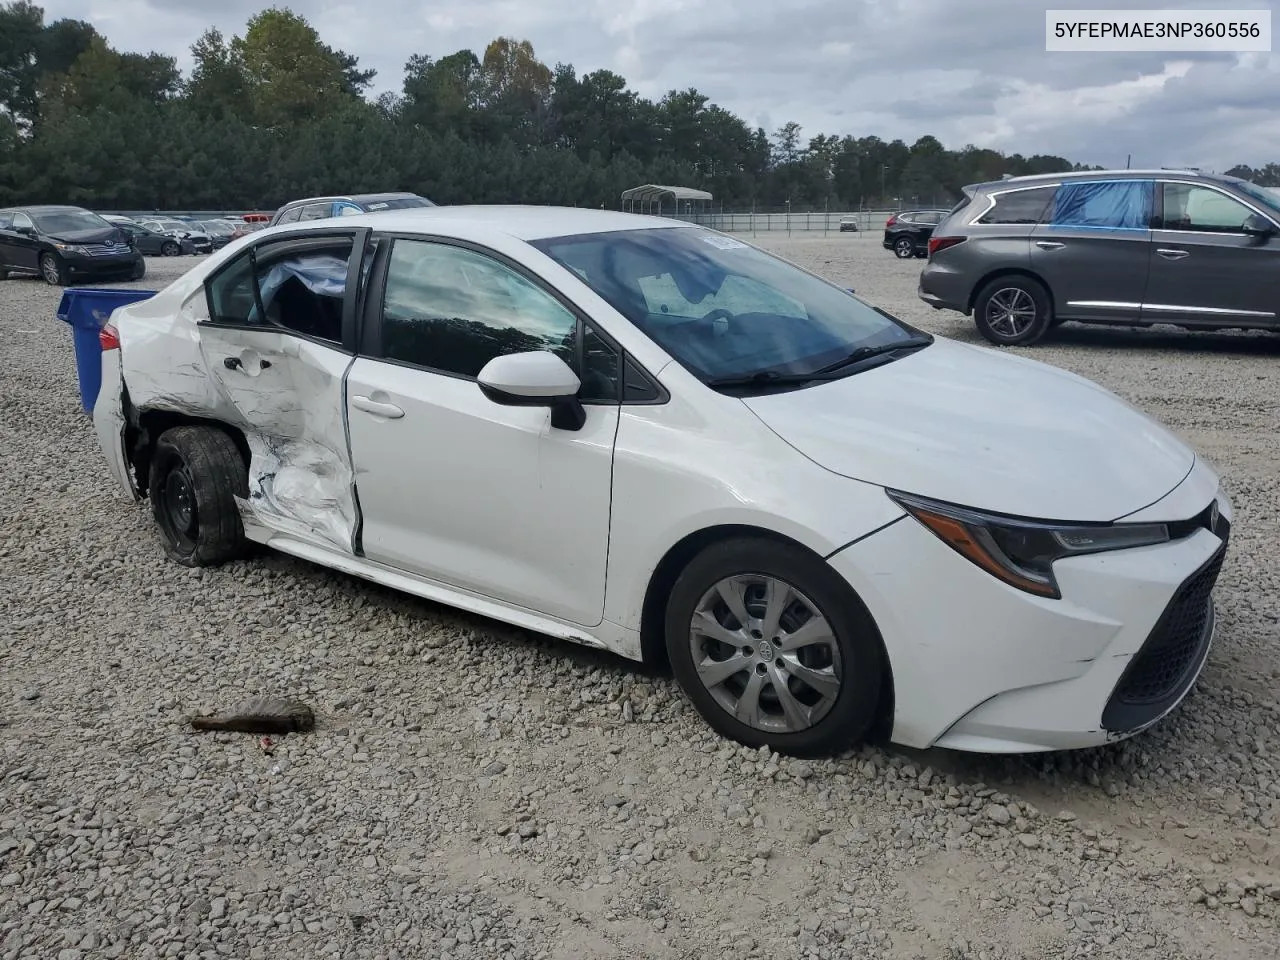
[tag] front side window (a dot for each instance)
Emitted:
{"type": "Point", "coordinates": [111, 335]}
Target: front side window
{"type": "Point", "coordinates": [290, 215]}
{"type": "Point", "coordinates": [21, 220]}
{"type": "Point", "coordinates": [297, 285]}
{"type": "Point", "coordinates": [721, 307]}
{"type": "Point", "coordinates": [1104, 204]}
{"type": "Point", "coordinates": [451, 309]}
{"type": "Point", "coordinates": [1023, 207]}
{"type": "Point", "coordinates": [1266, 198]}
{"type": "Point", "coordinates": [1202, 210]}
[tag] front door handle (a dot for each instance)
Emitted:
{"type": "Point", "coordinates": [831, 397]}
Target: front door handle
{"type": "Point", "coordinates": [1169, 254]}
{"type": "Point", "coordinates": [1049, 245]}
{"type": "Point", "coordinates": [235, 363]}
{"type": "Point", "coordinates": [388, 410]}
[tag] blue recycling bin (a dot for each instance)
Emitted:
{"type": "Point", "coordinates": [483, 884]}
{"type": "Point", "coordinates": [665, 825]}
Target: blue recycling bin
{"type": "Point", "coordinates": [87, 310]}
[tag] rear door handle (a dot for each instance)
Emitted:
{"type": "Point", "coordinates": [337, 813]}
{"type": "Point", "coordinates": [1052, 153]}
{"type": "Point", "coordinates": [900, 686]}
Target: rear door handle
{"type": "Point", "coordinates": [1172, 254]}
{"type": "Point", "coordinates": [1049, 245]}
{"type": "Point", "coordinates": [388, 410]}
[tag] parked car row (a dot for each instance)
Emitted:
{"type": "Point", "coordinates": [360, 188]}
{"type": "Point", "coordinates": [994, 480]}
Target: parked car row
{"type": "Point", "coordinates": [64, 244]}
{"type": "Point", "coordinates": [1127, 247]}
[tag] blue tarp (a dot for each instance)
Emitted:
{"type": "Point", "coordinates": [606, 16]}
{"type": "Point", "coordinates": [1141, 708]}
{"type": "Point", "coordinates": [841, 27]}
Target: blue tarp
{"type": "Point", "coordinates": [1104, 204]}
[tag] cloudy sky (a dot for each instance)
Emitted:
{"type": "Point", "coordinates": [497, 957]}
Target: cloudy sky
{"type": "Point", "coordinates": [966, 71]}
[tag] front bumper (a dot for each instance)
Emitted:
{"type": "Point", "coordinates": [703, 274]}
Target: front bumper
{"type": "Point", "coordinates": [99, 265]}
{"type": "Point", "coordinates": [980, 666]}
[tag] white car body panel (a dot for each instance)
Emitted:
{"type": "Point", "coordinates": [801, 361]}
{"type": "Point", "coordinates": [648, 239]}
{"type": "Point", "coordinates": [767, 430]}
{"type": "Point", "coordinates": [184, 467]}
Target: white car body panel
{"type": "Point", "coordinates": [985, 430]}
{"type": "Point", "coordinates": [488, 498]}
{"type": "Point", "coordinates": [489, 508]}
{"type": "Point", "coordinates": [109, 422]}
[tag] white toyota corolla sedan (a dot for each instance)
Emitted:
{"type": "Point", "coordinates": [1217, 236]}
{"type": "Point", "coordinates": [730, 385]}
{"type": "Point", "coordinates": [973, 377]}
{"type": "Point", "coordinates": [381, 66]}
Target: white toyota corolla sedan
{"type": "Point", "coordinates": [656, 439]}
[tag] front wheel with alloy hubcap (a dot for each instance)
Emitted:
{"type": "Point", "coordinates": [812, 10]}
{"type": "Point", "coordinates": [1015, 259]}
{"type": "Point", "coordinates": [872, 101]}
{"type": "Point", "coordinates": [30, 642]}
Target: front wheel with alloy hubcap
{"type": "Point", "coordinates": [905, 248]}
{"type": "Point", "coordinates": [52, 271]}
{"type": "Point", "coordinates": [1012, 311]}
{"type": "Point", "coordinates": [774, 648]}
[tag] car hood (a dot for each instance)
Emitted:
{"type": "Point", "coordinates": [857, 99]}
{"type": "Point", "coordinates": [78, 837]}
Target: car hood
{"type": "Point", "coordinates": [987, 430]}
{"type": "Point", "coordinates": [94, 235]}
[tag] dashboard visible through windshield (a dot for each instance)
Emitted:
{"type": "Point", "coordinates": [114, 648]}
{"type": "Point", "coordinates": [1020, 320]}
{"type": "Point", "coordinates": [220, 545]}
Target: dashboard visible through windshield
{"type": "Point", "coordinates": [724, 309]}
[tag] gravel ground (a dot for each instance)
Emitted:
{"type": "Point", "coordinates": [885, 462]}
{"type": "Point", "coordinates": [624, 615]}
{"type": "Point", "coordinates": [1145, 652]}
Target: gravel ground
{"type": "Point", "coordinates": [476, 792]}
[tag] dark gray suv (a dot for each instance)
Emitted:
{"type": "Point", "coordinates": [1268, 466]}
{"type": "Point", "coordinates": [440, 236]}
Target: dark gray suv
{"type": "Point", "coordinates": [1129, 247]}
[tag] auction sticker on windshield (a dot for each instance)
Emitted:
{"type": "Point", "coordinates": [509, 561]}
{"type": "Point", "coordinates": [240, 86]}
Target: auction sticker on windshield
{"type": "Point", "coordinates": [1159, 31]}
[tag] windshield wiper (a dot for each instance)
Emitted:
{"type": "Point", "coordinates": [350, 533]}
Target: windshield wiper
{"type": "Point", "coordinates": [763, 378]}
{"type": "Point", "coordinates": [772, 378]}
{"type": "Point", "coordinates": [866, 353]}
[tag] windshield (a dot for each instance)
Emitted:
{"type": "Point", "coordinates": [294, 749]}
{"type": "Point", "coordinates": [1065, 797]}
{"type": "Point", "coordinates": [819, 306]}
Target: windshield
{"type": "Point", "coordinates": [168, 225]}
{"type": "Point", "coordinates": [399, 203]}
{"type": "Point", "coordinates": [72, 222]}
{"type": "Point", "coordinates": [721, 307]}
{"type": "Point", "coordinates": [1262, 195]}
{"type": "Point", "coordinates": [214, 226]}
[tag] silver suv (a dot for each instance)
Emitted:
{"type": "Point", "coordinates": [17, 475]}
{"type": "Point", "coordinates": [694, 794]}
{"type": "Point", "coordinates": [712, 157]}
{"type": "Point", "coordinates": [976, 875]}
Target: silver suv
{"type": "Point", "coordinates": [1129, 247]}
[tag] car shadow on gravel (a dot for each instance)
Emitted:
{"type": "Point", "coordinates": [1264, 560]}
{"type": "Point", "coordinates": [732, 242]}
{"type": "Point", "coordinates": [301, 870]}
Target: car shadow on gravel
{"type": "Point", "coordinates": [1098, 767]}
{"type": "Point", "coordinates": [1255, 343]}
{"type": "Point", "coordinates": [388, 600]}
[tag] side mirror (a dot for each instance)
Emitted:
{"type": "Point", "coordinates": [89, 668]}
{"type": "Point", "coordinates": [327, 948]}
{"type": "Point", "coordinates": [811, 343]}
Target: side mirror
{"type": "Point", "coordinates": [1259, 227]}
{"type": "Point", "coordinates": [26, 231]}
{"type": "Point", "coordinates": [535, 379]}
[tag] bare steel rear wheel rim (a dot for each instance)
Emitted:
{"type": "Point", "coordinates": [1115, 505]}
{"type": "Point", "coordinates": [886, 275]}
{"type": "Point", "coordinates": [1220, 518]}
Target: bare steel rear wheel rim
{"type": "Point", "coordinates": [765, 653]}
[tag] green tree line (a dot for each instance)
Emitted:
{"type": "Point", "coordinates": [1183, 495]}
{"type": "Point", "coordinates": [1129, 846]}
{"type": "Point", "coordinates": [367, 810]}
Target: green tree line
{"type": "Point", "coordinates": [275, 113]}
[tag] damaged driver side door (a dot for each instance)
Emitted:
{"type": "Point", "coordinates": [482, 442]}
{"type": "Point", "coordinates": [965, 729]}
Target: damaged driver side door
{"type": "Point", "coordinates": [278, 340]}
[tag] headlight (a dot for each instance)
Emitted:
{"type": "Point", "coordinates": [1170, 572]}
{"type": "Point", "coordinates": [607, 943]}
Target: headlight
{"type": "Point", "coordinates": [1022, 552]}
{"type": "Point", "coordinates": [71, 248]}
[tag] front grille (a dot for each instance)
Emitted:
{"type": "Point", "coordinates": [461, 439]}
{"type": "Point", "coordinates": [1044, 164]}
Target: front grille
{"type": "Point", "coordinates": [1166, 665]}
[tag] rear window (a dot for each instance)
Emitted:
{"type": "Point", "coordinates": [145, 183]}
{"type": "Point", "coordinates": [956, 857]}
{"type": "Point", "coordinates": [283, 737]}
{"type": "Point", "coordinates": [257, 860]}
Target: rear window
{"type": "Point", "coordinates": [1020, 206]}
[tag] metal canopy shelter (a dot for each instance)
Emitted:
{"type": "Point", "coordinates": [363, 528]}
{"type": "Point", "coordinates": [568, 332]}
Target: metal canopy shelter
{"type": "Point", "coordinates": [651, 197]}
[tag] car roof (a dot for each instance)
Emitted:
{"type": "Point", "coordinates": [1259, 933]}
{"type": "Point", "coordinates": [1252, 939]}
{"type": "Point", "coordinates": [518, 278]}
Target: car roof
{"type": "Point", "coordinates": [521, 222]}
{"type": "Point", "coordinates": [356, 197]}
{"type": "Point", "coordinates": [46, 208]}
{"type": "Point", "coordinates": [1031, 180]}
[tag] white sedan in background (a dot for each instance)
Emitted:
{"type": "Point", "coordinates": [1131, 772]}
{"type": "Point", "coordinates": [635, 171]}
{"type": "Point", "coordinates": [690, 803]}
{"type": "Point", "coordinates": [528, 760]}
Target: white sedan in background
{"type": "Point", "coordinates": [658, 440]}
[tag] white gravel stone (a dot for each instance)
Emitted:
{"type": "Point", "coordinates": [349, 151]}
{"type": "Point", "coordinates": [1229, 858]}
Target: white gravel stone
{"type": "Point", "coordinates": [472, 792]}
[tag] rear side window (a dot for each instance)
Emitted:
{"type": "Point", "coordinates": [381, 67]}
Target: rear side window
{"type": "Point", "coordinates": [1020, 206]}
{"type": "Point", "coordinates": [316, 211]}
{"type": "Point", "coordinates": [1104, 204]}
